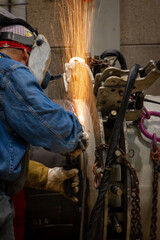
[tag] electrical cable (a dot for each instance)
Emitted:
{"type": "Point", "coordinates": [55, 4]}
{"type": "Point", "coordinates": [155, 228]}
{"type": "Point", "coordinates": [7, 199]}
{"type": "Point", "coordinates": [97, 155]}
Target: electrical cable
{"type": "Point", "coordinates": [116, 53]}
{"type": "Point", "coordinates": [55, 77]}
{"type": "Point", "coordinates": [84, 176]}
{"type": "Point", "coordinates": [151, 101]}
{"type": "Point", "coordinates": [98, 207]}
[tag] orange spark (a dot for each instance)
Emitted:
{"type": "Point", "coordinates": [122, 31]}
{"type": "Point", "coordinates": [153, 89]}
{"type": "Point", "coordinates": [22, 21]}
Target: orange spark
{"type": "Point", "coordinates": [76, 21]}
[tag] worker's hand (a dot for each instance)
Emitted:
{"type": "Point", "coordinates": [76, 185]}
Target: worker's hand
{"type": "Point", "coordinates": [58, 180]}
{"type": "Point", "coordinates": [83, 142]}
{"type": "Point", "coordinates": [85, 139]}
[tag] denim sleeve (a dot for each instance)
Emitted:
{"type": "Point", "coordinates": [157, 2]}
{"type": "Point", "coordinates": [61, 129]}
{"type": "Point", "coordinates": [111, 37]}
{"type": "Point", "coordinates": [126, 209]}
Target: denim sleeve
{"type": "Point", "coordinates": [35, 117]}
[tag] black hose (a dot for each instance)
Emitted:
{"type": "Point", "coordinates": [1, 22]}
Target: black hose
{"type": "Point", "coordinates": [116, 53]}
{"type": "Point", "coordinates": [98, 207]}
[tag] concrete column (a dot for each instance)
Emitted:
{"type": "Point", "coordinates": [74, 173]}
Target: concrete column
{"type": "Point", "coordinates": [140, 33]}
{"type": "Point", "coordinates": [106, 31]}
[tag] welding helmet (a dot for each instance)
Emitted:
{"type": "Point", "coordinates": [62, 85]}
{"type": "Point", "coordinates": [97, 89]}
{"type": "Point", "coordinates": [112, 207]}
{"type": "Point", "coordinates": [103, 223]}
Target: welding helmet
{"type": "Point", "coordinates": [17, 33]}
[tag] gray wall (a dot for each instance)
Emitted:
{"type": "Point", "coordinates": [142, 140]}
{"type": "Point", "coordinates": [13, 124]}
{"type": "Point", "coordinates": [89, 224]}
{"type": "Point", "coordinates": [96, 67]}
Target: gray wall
{"type": "Point", "coordinates": [140, 33]}
{"type": "Point", "coordinates": [106, 31]}
{"type": "Point", "coordinates": [136, 34]}
{"type": "Point", "coordinates": [140, 30]}
{"type": "Point", "coordinates": [43, 14]}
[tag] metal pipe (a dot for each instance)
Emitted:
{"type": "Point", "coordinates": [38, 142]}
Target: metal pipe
{"type": "Point", "coordinates": [9, 2]}
{"type": "Point", "coordinates": [12, 4]}
{"type": "Point", "coordinates": [19, 9]}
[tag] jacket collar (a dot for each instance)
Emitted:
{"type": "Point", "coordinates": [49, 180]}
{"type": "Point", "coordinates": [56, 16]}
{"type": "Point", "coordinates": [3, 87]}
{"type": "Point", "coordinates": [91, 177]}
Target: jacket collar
{"type": "Point", "coordinates": [4, 55]}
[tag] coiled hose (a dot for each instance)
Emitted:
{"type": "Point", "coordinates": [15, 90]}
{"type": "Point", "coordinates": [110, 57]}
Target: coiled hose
{"type": "Point", "coordinates": [116, 53]}
{"type": "Point", "coordinates": [98, 207]}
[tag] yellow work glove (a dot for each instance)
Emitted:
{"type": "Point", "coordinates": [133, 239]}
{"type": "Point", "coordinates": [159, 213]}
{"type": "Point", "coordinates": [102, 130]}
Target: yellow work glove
{"type": "Point", "coordinates": [83, 142]}
{"type": "Point", "coordinates": [37, 175]}
{"type": "Point", "coordinates": [60, 180]}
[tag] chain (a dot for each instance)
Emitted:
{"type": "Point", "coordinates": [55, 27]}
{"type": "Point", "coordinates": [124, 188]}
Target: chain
{"type": "Point", "coordinates": [102, 147]}
{"type": "Point", "coordinates": [136, 226]}
{"type": "Point", "coordinates": [155, 156]}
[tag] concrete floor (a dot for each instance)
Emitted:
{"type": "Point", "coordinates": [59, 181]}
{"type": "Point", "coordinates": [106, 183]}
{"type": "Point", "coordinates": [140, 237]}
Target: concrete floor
{"type": "Point", "coordinates": [154, 89]}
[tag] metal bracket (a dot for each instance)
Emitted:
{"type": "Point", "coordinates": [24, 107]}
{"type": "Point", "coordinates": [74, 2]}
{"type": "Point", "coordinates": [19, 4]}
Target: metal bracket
{"type": "Point", "coordinates": [110, 84]}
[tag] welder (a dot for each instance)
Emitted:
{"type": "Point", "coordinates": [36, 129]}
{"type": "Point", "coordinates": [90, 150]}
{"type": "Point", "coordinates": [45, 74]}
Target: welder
{"type": "Point", "coordinates": [27, 116]}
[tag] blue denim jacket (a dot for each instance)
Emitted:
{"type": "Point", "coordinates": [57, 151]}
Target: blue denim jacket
{"type": "Point", "coordinates": [27, 115]}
